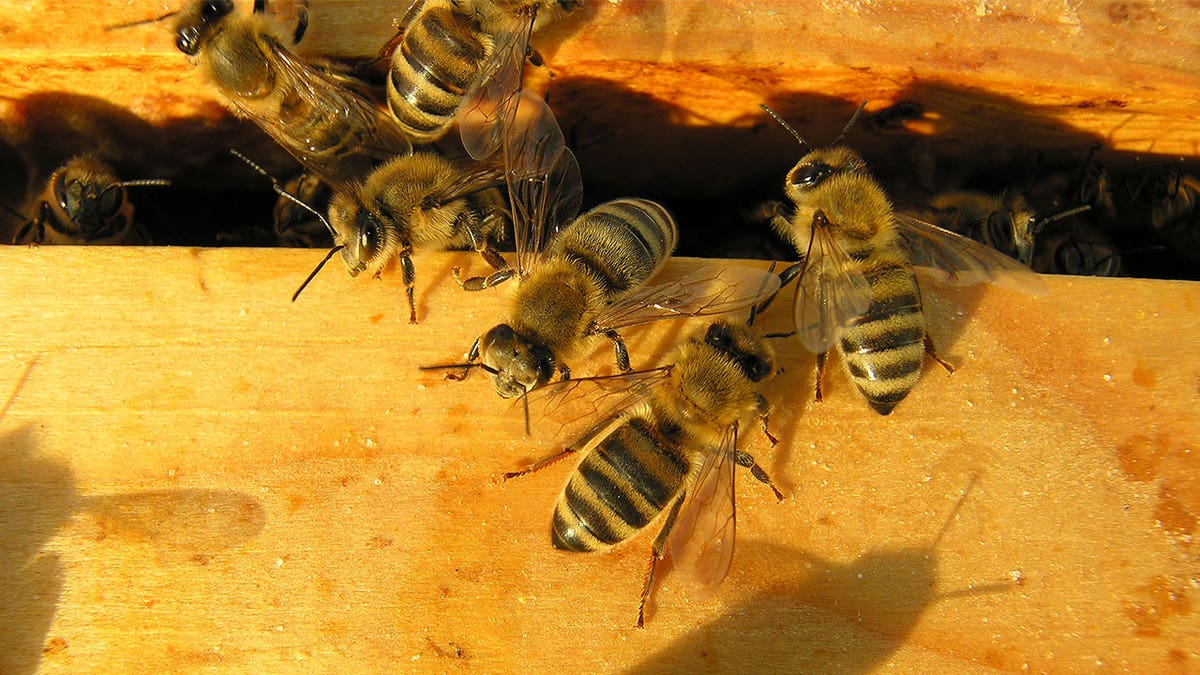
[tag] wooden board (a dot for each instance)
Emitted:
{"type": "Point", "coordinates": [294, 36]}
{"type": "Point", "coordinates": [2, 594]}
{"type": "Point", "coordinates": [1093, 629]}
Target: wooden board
{"type": "Point", "coordinates": [1002, 83]}
{"type": "Point", "coordinates": [197, 474]}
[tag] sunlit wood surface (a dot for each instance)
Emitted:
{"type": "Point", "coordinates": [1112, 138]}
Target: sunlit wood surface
{"type": "Point", "coordinates": [198, 475]}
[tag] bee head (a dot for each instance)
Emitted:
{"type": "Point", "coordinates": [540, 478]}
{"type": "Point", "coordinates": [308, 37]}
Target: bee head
{"type": "Point", "coordinates": [819, 166]}
{"type": "Point", "coordinates": [198, 22]}
{"type": "Point", "coordinates": [359, 231]}
{"type": "Point", "coordinates": [743, 348]}
{"type": "Point", "coordinates": [519, 364]}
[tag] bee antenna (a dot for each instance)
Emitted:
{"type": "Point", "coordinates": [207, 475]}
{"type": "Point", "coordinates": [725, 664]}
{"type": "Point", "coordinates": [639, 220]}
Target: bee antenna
{"type": "Point", "coordinates": [140, 22]}
{"type": "Point", "coordinates": [143, 182]}
{"type": "Point", "coordinates": [13, 212]}
{"type": "Point", "coordinates": [321, 264]}
{"type": "Point", "coordinates": [473, 364]}
{"type": "Point", "coordinates": [853, 119]}
{"type": "Point", "coordinates": [287, 195]}
{"type": "Point", "coordinates": [803, 143]}
{"type": "Point", "coordinates": [1059, 216]}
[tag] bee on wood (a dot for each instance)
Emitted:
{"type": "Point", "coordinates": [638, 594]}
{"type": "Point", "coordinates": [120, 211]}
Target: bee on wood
{"type": "Point", "coordinates": [462, 59]}
{"type": "Point", "coordinates": [412, 202]}
{"type": "Point", "coordinates": [315, 113]}
{"type": "Point", "coordinates": [665, 450]}
{"type": "Point", "coordinates": [84, 203]}
{"type": "Point", "coordinates": [857, 289]}
{"type": "Point", "coordinates": [590, 280]}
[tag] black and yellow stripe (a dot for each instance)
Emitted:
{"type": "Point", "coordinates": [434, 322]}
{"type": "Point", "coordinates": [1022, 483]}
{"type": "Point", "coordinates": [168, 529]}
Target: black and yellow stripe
{"type": "Point", "coordinates": [884, 348]}
{"type": "Point", "coordinates": [619, 487]}
{"type": "Point", "coordinates": [435, 64]}
{"type": "Point", "coordinates": [621, 243]}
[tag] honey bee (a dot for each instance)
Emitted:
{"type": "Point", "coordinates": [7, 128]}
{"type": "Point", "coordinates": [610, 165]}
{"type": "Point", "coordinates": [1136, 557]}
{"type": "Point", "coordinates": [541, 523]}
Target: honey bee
{"type": "Point", "coordinates": [669, 446]}
{"type": "Point", "coordinates": [417, 201]}
{"type": "Point", "coordinates": [314, 113]}
{"type": "Point", "coordinates": [296, 226]}
{"type": "Point", "coordinates": [1006, 222]}
{"type": "Point", "coordinates": [857, 287]}
{"type": "Point", "coordinates": [85, 203]}
{"type": "Point", "coordinates": [1079, 248]}
{"type": "Point", "coordinates": [1175, 214]}
{"type": "Point", "coordinates": [452, 58]}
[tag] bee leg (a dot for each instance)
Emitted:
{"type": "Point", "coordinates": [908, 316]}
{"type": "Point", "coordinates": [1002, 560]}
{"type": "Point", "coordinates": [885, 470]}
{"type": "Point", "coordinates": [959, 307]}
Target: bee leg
{"type": "Point", "coordinates": [932, 353]}
{"type": "Point", "coordinates": [484, 248]}
{"type": "Point", "coordinates": [788, 274]}
{"type": "Point", "coordinates": [820, 373]}
{"type": "Point", "coordinates": [409, 274]}
{"type": "Point", "coordinates": [542, 463]}
{"type": "Point", "coordinates": [621, 351]}
{"type": "Point", "coordinates": [656, 554]}
{"type": "Point", "coordinates": [764, 411]}
{"type": "Point", "coordinates": [746, 460]}
{"type": "Point", "coordinates": [472, 357]}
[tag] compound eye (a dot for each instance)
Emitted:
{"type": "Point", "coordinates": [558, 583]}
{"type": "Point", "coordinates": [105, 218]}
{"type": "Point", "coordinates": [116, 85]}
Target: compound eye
{"type": "Point", "coordinates": [718, 337]}
{"type": "Point", "coordinates": [810, 174]}
{"type": "Point", "coordinates": [215, 9]}
{"type": "Point", "coordinates": [1000, 232]}
{"type": "Point", "coordinates": [370, 235]}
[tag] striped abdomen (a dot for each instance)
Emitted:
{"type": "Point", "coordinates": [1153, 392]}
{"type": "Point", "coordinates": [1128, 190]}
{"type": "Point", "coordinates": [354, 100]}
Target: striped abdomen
{"type": "Point", "coordinates": [626, 480]}
{"type": "Point", "coordinates": [621, 243]}
{"type": "Point", "coordinates": [435, 64]}
{"type": "Point", "coordinates": [884, 348]}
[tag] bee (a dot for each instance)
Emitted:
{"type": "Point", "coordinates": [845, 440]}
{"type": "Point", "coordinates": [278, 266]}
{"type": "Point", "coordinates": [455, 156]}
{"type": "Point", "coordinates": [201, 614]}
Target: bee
{"type": "Point", "coordinates": [586, 276]}
{"type": "Point", "coordinates": [1175, 214]}
{"type": "Point", "coordinates": [85, 203]}
{"type": "Point", "coordinates": [417, 201]}
{"type": "Point", "coordinates": [462, 56]}
{"type": "Point", "coordinates": [1079, 248]}
{"type": "Point", "coordinates": [313, 112]}
{"type": "Point", "coordinates": [668, 449]}
{"type": "Point", "coordinates": [857, 288]}
{"type": "Point", "coordinates": [296, 226]}
{"type": "Point", "coordinates": [1006, 222]}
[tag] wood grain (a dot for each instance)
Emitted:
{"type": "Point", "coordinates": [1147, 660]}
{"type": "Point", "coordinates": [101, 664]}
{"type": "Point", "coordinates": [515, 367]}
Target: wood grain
{"type": "Point", "coordinates": [198, 475]}
{"type": "Point", "coordinates": [1000, 83]}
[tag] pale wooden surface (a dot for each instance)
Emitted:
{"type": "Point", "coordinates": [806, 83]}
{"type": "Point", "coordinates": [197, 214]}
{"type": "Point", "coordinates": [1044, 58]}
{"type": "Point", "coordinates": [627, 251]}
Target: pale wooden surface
{"type": "Point", "coordinates": [1002, 82]}
{"type": "Point", "coordinates": [198, 475]}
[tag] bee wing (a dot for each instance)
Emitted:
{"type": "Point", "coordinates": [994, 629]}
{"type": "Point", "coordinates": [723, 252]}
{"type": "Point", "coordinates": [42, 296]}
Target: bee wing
{"type": "Point", "coordinates": [559, 405]}
{"type": "Point", "coordinates": [701, 542]}
{"type": "Point", "coordinates": [959, 261]}
{"type": "Point", "coordinates": [489, 107]}
{"type": "Point", "coordinates": [711, 289]}
{"type": "Point", "coordinates": [361, 133]}
{"type": "Point", "coordinates": [544, 195]}
{"type": "Point", "coordinates": [832, 292]}
{"type": "Point", "coordinates": [471, 180]}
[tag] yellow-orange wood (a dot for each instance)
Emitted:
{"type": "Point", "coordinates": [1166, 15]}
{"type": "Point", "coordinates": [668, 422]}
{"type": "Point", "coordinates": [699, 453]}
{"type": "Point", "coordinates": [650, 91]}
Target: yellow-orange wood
{"type": "Point", "coordinates": [198, 475]}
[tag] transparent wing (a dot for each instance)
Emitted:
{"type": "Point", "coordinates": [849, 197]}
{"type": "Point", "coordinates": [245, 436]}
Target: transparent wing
{"type": "Point", "coordinates": [544, 194]}
{"type": "Point", "coordinates": [560, 405]}
{"type": "Point", "coordinates": [490, 106]}
{"type": "Point", "coordinates": [333, 130]}
{"type": "Point", "coordinates": [701, 543]}
{"type": "Point", "coordinates": [471, 180]}
{"type": "Point", "coordinates": [831, 293]}
{"type": "Point", "coordinates": [959, 261]}
{"type": "Point", "coordinates": [709, 290]}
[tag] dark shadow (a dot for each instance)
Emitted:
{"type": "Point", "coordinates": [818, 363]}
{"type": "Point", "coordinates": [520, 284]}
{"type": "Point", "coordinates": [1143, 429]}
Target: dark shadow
{"type": "Point", "coordinates": [820, 616]}
{"type": "Point", "coordinates": [39, 497]}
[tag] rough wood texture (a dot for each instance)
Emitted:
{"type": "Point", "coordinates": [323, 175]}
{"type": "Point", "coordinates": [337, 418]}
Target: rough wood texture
{"type": "Point", "coordinates": [196, 474]}
{"type": "Point", "coordinates": [1001, 82]}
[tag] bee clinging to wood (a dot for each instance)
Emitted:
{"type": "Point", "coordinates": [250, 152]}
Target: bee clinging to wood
{"type": "Point", "coordinates": [663, 450]}
{"type": "Point", "coordinates": [857, 289]}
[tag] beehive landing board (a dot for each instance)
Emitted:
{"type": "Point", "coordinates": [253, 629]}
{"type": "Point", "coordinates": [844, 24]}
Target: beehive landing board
{"type": "Point", "coordinates": [197, 474]}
